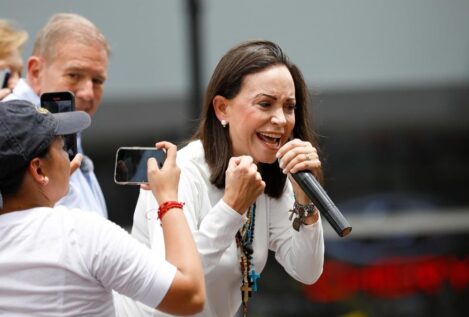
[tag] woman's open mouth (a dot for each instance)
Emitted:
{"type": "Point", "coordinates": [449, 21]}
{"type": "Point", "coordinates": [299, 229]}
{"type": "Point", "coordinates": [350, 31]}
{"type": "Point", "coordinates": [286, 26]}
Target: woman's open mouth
{"type": "Point", "coordinates": [270, 138]}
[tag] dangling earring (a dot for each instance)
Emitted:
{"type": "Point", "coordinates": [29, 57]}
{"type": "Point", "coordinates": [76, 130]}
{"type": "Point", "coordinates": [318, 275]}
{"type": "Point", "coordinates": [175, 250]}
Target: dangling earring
{"type": "Point", "coordinates": [45, 180]}
{"type": "Point", "coordinates": [224, 123]}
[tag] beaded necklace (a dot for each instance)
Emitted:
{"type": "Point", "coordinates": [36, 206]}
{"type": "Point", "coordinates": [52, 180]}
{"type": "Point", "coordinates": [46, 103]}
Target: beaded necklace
{"type": "Point", "coordinates": [244, 239]}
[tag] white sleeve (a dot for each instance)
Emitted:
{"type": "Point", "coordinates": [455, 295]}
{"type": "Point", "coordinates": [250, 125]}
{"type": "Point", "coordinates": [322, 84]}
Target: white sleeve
{"type": "Point", "coordinates": [300, 253]}
{"type": "Point", "coordinates": [213, 228]}
{"type": "Point", "coordinates": [121, 263]}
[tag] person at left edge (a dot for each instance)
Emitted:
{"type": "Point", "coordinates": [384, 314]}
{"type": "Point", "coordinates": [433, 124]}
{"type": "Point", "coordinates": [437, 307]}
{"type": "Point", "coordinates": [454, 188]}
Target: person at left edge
{"type": "Point", "coordinates": [12, 41]}
{"type": "Point", "coordinates": [70, 53]}
{"type": "Point", "coordinates": [57, 261]}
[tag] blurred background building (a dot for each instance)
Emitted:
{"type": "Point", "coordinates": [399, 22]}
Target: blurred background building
{"type": "Point", "coordinates": [390, 88]}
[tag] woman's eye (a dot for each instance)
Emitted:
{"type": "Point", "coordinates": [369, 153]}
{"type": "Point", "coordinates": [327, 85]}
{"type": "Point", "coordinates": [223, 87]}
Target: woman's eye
{"type": "Point", "coordinates": [264, 104]}
{"type": "Point", "coordinates": [291, 107]}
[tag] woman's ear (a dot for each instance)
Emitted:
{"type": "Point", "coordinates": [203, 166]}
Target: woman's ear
{"type": "Point", "coordinates": [36, 171]}
{"type": "Point", "coordinates": [220, 105]}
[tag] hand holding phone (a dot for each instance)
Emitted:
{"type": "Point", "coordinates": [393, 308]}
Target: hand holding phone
{"type": "Point", "coordinates": [164, 181]}
{"type": "Point", "coordinates": [62, 101]}
{"type": "Point", "coordinates": [131, 164]}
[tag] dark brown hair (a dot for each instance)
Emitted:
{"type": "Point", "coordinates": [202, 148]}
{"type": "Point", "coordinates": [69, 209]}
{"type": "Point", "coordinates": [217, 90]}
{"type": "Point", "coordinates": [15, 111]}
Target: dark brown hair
{"type": "Point", "coordinates": [13, 181]}
{"type": "Point", "coordinates": [244, 59]}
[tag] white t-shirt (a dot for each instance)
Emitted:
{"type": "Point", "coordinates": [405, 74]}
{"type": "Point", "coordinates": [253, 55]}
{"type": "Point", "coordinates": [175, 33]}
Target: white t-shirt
{"type": "Point", "coordinates": [62, 262]}
{"type": "Point", "coordinates": [214, 225]}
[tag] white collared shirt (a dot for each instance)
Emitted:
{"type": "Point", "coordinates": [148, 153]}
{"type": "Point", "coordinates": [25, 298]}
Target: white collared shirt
{"type": "Point", "coordinates": [214, 225]}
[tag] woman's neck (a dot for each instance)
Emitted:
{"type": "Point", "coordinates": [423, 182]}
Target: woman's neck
{"type": "Point", "coordinates": [15, 205]}
{"type": "Point", "coordinates": [25, 199]}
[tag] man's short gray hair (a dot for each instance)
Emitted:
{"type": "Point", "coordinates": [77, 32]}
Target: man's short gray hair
{"type": "Point", "coordinates": [65, 27]}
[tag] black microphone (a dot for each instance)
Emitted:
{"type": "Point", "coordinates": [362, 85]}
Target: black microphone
{"type": "Point", "coordinates": [321, 200]}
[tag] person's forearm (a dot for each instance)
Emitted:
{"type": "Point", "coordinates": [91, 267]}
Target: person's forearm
{"type": "Point", "coordinates": [181, 251]}
{"type": "Point", "coordinates": [179, 243]}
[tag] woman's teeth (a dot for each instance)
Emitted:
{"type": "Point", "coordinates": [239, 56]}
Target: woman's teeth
{"type": "Point", "coordinates": [269, 137]}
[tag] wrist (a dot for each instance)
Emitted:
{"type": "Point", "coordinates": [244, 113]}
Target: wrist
{"type": "Point", "coordinates": [304, 214]}
{"type": "Point", "coordinates": [168, 205]}
{"type": "Point", "coordinates": [162, 198]}
{"type": "Point", "coordinates": [238, 207]}
{"type": "Point", "coordinates": [311, 218]}
{"type": "Point", "coordinates": [302, 199]}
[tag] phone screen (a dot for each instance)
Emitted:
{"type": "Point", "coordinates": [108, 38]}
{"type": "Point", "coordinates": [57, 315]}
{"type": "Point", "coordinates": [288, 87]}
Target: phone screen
{"type": "Point", "coordinates": [131, 164]}
{"type": "Point", "coordinates": [62, 101]}
{"type": "Point", "coordinates": [4, 76]}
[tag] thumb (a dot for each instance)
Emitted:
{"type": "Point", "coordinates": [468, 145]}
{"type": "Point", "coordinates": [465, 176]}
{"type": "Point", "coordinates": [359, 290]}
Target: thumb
{"type": "Point", "coordinates": [75, 163]}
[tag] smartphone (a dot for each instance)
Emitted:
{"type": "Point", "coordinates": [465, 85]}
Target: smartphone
{"type": "Point", "coordinates": [4, 76]}
{"type": "Point", "coordinates": [62, 101]}
{"type": "Point", "coordinates": [131, 164]}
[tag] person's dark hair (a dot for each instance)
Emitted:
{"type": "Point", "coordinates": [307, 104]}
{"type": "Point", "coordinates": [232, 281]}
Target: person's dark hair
{"type": "Point", "coordinates": [12, 183]}
{"type": "Point", "coordinates": [244, 59]}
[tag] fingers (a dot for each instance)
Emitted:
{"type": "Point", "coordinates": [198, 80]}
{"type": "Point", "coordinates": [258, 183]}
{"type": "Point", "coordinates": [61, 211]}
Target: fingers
{"type": "Point", "coordinates": [171, 151]}
{"type": "Point", "coordinates": [164, 181]}
{"type": "Point", "coordinates": [4, 92]}
{"type": "Point", "coordinates": [243, 183]}
{"type": "Point", "coordinates": [152, 165]}
{"type": "Point", "coordinates": [233, 163]}
{"type": "Point", "coordinates": [13, 80]}
{"type": "Point", "coordinates": [243, 165]}
{"type": "Point", "coordinates": [247, 165]}
{"type": "Point", "coordinates": [153, 170]}
{"type": "Point", "coordinates": [145, 186]}
{"type": "Point", "coordinates": [246, 162]}
{"type": "Point", "coordinates": [298, 155]}
{"type": "Point", "coordinates": [75, 163]}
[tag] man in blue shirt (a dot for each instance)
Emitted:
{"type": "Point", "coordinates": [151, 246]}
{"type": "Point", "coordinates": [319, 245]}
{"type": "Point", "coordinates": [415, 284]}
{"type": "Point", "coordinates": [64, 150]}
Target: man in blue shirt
{"type": "Point", "coordinates": [70, 54]}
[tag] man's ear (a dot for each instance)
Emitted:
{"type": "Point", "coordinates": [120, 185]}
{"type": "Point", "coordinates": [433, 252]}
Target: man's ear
{"type": "Point", "coordinates": [35, 65]}
{"type": "Point", "coordinates": [220, 105]}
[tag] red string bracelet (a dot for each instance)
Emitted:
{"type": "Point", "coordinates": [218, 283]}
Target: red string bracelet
{"type": "Point", "coordinates": [163, 209]}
